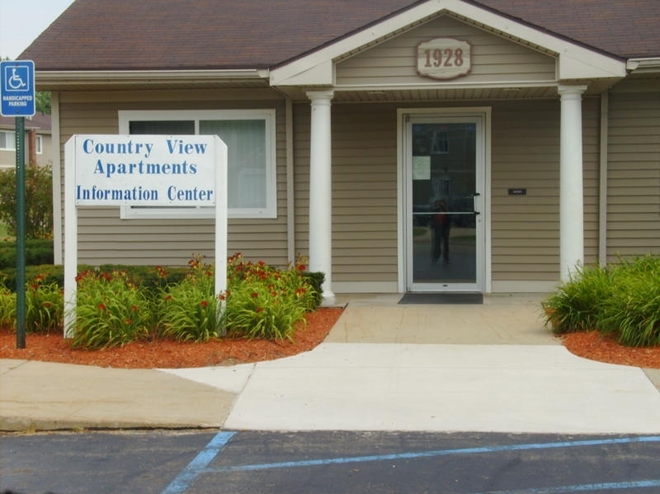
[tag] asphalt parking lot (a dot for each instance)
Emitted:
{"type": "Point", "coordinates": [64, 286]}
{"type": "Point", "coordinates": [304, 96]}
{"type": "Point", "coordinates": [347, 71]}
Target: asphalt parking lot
{"type": "Point", "coordinates": [200, 462]}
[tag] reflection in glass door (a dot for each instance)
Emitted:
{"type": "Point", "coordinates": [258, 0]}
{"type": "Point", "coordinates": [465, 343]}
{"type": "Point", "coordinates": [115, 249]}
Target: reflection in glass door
{"type": "Point", "coordinates": [445, 159]}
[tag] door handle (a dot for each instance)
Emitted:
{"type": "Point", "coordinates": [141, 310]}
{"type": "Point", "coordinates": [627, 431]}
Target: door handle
{"type": "Point", "coordinates": [474, 202]}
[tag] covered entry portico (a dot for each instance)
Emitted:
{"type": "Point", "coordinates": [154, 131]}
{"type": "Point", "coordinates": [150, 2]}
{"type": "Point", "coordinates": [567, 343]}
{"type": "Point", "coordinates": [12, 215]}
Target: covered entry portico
{"type": "Point", "coordinates": [511, 66]}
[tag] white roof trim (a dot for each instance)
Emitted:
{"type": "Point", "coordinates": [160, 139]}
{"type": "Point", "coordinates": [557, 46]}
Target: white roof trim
{"type": "Point", "coordinates": [643, 65]}
{"type": "Point", "coordinates": [134, 76]}
{"type": "Point", "coordinates": [575, 61]}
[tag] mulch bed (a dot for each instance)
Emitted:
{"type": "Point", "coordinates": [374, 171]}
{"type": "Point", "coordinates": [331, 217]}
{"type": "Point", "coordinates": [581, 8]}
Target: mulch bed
{"type": "Point", "coordinates": [171, 354]}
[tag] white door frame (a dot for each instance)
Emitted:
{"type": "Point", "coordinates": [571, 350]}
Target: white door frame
{"type": "Point", "coordinates": [484, 266]}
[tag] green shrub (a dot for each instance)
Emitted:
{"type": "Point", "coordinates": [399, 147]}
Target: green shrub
{"type": "Point", "coordinates": [119, 304]}
{"type": "Point", "coordinates": [38, 201]}
{"type": "Point", "coordinates": [315, 281]}
{"type": "Point", "coordinates": [7, 307]}
{"type": "Point", "coordinates": [152, 278]}
{"type": "Point", "coordinates": [111, 311]}
{"type": "Point", "coordinates": [44, 306]}
{"type": "Point", "coordinates": [189, 309]}
{"type": "Point", "coordinates": [576, 304]}
{"type": "Point", "coordinates": [632, 311]}
{"type": "Point", "coordinates": [258, 312]}
{"type": "Point", "coordinates": [49, 273]}
{"type": "Point", "coordinates": [264, 302]}
{"type": "Point", "coordinates": [37, 251]}
{"type": "Point", "coordinates": [622, 300]}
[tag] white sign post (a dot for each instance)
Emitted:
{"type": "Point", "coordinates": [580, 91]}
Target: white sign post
{"type": "Point", "coordinates": [144, 170]}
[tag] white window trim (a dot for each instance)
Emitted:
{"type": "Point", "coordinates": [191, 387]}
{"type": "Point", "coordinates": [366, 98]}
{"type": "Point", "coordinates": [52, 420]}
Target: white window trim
{"type": "Point", "coordinates": [39, 143]}
{"type": "Point", "coordinates": [8, 141]}
{"type": "Point", "coordinates": [268, 115]}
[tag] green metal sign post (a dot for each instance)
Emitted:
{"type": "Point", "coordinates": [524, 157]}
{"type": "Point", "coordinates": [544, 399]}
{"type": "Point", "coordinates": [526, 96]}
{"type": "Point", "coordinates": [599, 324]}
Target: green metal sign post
{"type": "Point", "coordinates": [20, 232]}
{"type": "Point", "coordinates": [17, 99]}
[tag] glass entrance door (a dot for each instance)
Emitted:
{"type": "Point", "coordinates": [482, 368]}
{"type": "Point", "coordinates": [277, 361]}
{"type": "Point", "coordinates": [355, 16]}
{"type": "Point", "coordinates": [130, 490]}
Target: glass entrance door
{"type": "Point", "coordinates": [445, 183]}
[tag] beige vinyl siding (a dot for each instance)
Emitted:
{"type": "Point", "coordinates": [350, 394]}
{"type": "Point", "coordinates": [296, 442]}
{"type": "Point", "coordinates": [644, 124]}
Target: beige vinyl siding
{"type": "Point", "coordinates": [494, 59]}
{"type": "Point", "coordinates": [364, 191]}
{"type": "Point", "coordinates": [105, 238]}
{"type": "Point", "coordinates": [525, 154]}
{"type": "Point", "coordinates": [633, 186]}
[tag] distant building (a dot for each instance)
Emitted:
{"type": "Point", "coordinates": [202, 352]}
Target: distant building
{"type": "Point", "coordinates": [38, 141]}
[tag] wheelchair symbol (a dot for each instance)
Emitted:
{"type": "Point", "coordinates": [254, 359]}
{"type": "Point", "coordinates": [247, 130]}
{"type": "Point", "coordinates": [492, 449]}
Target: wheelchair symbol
{"type": "Point", "coordinates": [18, 80]}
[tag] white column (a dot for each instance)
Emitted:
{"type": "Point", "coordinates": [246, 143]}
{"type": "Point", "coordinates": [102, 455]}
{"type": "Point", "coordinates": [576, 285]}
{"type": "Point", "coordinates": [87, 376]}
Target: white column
{"type": "Point", "coordinates": [320, 190]}
{"type": "Point", "coordinates": [571, 195]}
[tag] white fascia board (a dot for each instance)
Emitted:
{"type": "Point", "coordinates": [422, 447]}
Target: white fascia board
{"type": "Point", "coordinates": [63, 77]}
{"type": "Point", "coordinates": [317, 75]}
{"type": "Point", "coordinates": [582, 64]}
{"type": "Point", "coordinates": [575, 61]}
{"type": "Point", "coordinates": [644, 65]}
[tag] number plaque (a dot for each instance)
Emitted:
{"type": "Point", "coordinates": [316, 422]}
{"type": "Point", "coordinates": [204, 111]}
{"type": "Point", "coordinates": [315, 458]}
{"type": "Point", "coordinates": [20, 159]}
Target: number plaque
{"type": "Point", "coordinates": [444, 58]}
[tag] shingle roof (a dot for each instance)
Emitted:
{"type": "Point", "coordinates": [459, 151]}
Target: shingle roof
{"type": "Point", "coordinates": [38, 122]}
{"type": "Point", "coordinates": [626, 28]}
{"type": "Point", "coordinates": [225, 34]}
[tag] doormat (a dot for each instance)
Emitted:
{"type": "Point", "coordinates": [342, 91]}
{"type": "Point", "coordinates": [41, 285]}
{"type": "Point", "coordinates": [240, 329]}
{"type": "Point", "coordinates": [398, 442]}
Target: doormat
{"type": "Point", "coordinates": [442, 298]}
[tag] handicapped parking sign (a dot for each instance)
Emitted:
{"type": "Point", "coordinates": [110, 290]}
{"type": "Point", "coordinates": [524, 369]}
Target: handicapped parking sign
{"type": "Point", "coordinates": [17, 94]}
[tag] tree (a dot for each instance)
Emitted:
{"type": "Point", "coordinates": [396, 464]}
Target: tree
{"type": "Point", "coordinates": [38, 199]}
{"type": "Point", "coordinates": [43, 102]}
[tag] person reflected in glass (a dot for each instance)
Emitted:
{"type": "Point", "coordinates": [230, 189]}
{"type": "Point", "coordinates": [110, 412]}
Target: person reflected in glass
{"type": "Point", "coordinates": [440, 224]}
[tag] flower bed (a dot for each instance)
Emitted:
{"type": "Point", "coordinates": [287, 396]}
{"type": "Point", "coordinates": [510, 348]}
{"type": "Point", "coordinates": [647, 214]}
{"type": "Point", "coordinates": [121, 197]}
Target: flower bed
{"type": "Point", "coordinates": [115, 308]}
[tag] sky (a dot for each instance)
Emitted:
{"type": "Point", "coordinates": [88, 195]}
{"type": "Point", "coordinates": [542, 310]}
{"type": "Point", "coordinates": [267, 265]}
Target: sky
{"type": "Point", "coordinates": [21, 21]}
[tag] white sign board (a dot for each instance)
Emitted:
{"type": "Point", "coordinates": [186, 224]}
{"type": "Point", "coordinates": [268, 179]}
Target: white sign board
{"type": "Point", "coordinates": [144, 170]}
{"type": "Point", "coordinates": [444, 58]}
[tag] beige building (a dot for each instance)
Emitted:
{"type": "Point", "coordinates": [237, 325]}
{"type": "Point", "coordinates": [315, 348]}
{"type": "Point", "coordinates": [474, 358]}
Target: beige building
{"type": "Point", "coordinates": [534, 125]}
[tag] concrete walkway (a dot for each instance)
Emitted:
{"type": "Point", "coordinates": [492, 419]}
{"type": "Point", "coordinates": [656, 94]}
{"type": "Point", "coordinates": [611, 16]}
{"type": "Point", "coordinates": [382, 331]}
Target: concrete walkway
{"type": "Point", "coordinates": [490, 367]}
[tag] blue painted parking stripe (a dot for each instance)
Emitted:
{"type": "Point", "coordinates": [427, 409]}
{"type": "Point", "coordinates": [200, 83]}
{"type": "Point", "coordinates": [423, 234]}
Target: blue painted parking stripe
{"type": "Point", "coordinates": [188, 475]}
{"type": "Point", "coordinates": [430, 454]}
{"type": "Point", "coordinates": [584, 488]}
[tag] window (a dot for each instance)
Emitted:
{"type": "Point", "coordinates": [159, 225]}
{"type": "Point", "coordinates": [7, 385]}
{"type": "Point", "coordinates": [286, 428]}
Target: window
{"type": "Point", "coordinates": [7, 140]}
{"type": "Point", "coordinates": [440, 142]}
{"type": "Point", "coordinates": [250, 139]}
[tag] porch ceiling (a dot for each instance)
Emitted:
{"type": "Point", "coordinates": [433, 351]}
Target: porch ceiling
{"type": "Point", "coordinates": [440, 94]}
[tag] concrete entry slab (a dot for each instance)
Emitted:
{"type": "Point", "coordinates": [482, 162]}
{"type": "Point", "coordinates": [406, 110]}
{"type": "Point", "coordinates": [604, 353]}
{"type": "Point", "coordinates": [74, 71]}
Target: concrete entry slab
{"type": "Point", "coordinates": [500, 320]}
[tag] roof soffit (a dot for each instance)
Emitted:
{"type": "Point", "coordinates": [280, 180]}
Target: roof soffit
{"type": "Point", "coordinates": [575, 62]}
